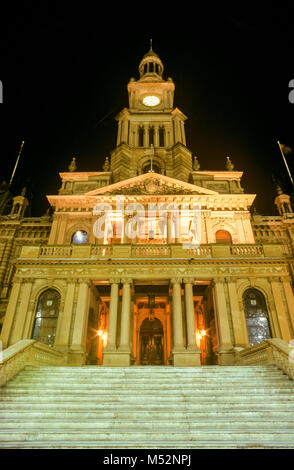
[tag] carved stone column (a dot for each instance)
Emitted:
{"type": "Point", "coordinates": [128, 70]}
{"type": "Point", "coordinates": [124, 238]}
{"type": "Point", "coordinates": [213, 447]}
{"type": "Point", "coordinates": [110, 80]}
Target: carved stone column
{"type": "Point", "coordinates": [169, 227]}
{"type": "Point", "coordinates": [178, 344]}
{"type": "Point", "coordinates": [10, 312]}
{"type": "Point", "coordinates": [110, 355]}
{"type": "Point", "coordinates": [181, 356]}
{"type": "Point", "coordinates": [112, 322]}
{"type": "Point", "coordinates": [225, 350]}
{"type": "Point", "coordinates": [122, 357]}
{"type": "Point", "coordinates": [189, 304]}
{"type": "Point", "coordinates": [78, 346]}
{"type": "Point", "coordinates": [156, 135]}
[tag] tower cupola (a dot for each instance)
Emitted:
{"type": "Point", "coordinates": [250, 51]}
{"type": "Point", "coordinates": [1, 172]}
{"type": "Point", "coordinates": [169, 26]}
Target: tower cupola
{"type": "Point", "coordinates": [151, 67]}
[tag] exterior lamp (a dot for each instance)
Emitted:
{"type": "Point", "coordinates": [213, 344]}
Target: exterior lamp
{"type": "Point", "coordinates": [203, 333]}
{"type": "Point", "coordinates": [99, 333]}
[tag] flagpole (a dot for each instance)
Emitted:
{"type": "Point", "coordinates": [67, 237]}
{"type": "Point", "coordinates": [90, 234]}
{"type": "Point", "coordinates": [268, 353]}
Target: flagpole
{"type": "Point", "coordinates": [17, 160]}
{"type": "Point", "coordinates": [289, 173]}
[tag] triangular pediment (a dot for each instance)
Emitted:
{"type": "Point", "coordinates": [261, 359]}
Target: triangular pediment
{"type": "Point", "coordinates": [151, 184]}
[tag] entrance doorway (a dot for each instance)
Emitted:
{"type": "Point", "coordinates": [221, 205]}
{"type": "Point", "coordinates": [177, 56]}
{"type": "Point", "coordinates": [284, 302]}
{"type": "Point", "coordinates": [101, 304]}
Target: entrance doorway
{"type": "Point", "coordinates": [151, 341]}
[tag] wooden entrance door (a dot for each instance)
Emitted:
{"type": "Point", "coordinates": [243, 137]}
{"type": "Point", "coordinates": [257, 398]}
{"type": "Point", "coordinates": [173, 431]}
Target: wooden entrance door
{"type": "Point", "coordinates": [151, 343]}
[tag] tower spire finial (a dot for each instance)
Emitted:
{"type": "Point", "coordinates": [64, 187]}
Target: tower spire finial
{"type": "Point", "coordinates": [151, 44]}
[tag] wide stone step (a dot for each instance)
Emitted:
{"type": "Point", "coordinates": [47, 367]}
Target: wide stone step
{"type": "Point", "coordinates": [156, 382]}
{"type": "Point", "coordinates": [158, 407]}
{"type": "Point", "coordinates": [139, 426]}
{"type": "Point", "coordinates": [153, 437]}
{"type": "Point", "coordinates": [146, 398]}
{"type": "Point", "coordinates": [145, 393]}
{"type": "Point", "coordinates": [134, 387]}
{"type": "Point", "coordinates": [139, 415]}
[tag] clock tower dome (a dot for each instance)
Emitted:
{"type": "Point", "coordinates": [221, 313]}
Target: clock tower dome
{"type": "Point", "coordinates": [151, 126]}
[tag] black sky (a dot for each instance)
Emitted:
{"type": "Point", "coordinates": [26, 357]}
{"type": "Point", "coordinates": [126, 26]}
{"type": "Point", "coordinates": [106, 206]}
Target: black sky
{"type": "Point", "coordinates": [65, 69]}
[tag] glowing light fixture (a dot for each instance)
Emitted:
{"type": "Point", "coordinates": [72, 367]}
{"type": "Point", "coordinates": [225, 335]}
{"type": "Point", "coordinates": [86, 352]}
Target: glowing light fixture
{"type": "Point", "coordinates": [203, 333]}
{"type": "Point", "coordinates": [104, 336]}
{"type": "Point", "coordinates": [151, 100]}
{"type": "Point", "coordinates": [100, 333]}
{"type": "Point", "coordinates": [198, 336]}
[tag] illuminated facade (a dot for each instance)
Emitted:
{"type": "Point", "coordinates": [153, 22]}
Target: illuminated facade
{"type": "Point", "coordinates": [83, 283]}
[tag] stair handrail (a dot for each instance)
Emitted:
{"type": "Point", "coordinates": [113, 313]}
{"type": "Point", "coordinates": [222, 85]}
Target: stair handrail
{"type": "Point", "coordinates": [273, 351]}
{"type": "Point", "coordinates": [28, 352]}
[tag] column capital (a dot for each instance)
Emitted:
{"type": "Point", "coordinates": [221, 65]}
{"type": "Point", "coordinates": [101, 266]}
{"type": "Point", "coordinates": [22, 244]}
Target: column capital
{"type": "Point", "coordinates": [126, 280]}
{"type": "Point", "coordinates": [114, 280]}
{"type": "Point", "coordinates": [188, 280]}
{"type": "Point", "coordinates": [176, 280]}
{"type": "Point", "coordinates": [84, 281]}
{"type": "Point", "coordinates": [217, 280]}
{"type": "Point", "coordinates": [274, 279]}
{"type": "Point", "coordinates": [286, 279]}
{"type": "Point", "coordinates": [230, 279]}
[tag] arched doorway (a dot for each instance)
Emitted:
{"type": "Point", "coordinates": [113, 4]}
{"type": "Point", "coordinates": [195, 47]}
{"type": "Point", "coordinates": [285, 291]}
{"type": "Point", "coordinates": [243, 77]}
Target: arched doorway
{"type": "Point", "coordinates": [256, 314]}
{"type": "Point", "coordinates": [151, 342]}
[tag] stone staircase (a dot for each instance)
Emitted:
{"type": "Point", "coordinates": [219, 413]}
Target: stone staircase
{"type": "Point", "coordinates": [148, 407]}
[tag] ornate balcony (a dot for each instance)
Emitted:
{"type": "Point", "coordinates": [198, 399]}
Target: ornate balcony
{"type": "Point", "coordinates": [171, 251]}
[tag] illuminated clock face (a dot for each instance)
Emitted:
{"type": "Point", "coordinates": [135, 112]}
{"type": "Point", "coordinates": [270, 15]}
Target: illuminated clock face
{"type": "Point", "coordinates": [151, 101]}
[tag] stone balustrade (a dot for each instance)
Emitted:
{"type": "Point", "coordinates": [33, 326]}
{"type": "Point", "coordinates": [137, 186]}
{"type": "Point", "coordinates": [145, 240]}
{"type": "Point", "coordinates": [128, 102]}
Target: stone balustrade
{"type": "Point", "coordinates": [28, 352]}
{"type": "Point", "coordinates": [270, 352]}
{"type": "Point", "coordinates": [172, 250]}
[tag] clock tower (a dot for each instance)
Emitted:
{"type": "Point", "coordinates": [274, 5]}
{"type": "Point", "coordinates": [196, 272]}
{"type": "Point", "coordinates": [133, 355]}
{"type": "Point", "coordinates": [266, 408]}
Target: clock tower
{"type": "Point", "coordinates": [151, 128]}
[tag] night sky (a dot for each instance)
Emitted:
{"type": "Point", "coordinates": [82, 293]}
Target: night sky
{"type": "Point", "coordinates": [65, 70]}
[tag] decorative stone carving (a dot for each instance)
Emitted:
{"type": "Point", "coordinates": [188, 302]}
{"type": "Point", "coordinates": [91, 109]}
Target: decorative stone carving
{"type": "Point", "coordinates": [72, 166]}
{"type": "Point", "coordinates": [229, 164]}
{"type": "Point", "coordinates": [196, 164]}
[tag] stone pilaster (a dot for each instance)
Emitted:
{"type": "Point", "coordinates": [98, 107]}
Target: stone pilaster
{"type": "Point", "coordinates": [280, 308]}
{"type": "Point", "coordinates": [290, 297]}
{"type": "Point", "coordinates": [10, 312]}
{"type": "Point", "coordinates": [65, 318]}
{"type": "Point", "coordinates": [238, 316]}
{"type": "Point", "coordinates": [22, 311]}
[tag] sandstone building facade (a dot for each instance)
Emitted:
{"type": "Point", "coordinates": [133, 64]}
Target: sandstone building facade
{"type": "Point", "coordinates": [175, 293]}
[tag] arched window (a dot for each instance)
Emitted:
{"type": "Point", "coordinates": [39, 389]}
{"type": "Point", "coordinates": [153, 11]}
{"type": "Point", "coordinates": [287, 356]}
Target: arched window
{"type": "Point", "coordinates": [256, 316]}
{"type": "Point", "coordinates": [46, 317]}
{"type": "Point", "coordinates": [151, 67]}
{"type": "Point", "coordinates": [222, 236]}
{"type": "Point", "coordinates": [145, 68]}
{"type": "Point", "coordinates": [151, 136]}
{"type": "Point", "coordinates": [161, 136]}
{"type": "Point", "coordinates": [141, 136]}
{"type": "Point", "coordinates": [79, 237]}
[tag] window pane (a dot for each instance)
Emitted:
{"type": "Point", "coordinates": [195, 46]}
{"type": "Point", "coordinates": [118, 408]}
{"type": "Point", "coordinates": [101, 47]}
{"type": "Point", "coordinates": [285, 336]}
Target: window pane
{"type": "Point", "coordinates": [256, 316]}
{"type": "Point", "coordinates": [79, 237]}
{"type": "Point", "coordinates": [46, 317]}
